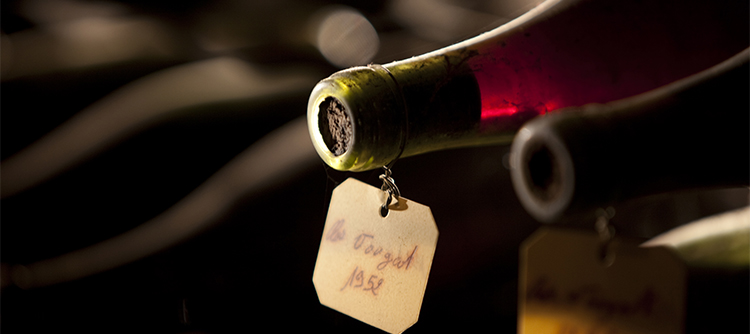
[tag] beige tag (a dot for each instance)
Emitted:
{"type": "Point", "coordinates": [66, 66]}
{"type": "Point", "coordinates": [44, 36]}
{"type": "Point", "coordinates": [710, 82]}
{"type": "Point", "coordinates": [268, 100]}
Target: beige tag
{"type": "Point", "coordinates": [565, 287]}
{"type": "Point", "coordinates": [372, 268]}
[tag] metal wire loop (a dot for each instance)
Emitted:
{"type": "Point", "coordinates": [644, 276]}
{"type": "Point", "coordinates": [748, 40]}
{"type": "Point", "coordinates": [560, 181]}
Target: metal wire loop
{"type": "Point", "coordinates": [390, 188]}
{"type": "Point", "coordinates": [606, 234]}
{"type": "Point", "coordinates": [389, 185]}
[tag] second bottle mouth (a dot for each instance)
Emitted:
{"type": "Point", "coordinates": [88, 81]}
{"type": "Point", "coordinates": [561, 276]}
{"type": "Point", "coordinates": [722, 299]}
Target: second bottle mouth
{"type": "Point", "coordinates": [542, 171]}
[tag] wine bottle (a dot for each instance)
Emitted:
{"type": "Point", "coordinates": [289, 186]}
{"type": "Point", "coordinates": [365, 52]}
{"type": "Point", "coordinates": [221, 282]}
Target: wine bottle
{"type": "Point", "coordinates": [690, 134]}
{"type": "Point", "coordinates": [480, 91]}
{"type": "Point", "coordinates": [716, 252]}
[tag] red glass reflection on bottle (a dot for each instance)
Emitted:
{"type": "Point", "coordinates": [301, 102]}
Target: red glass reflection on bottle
{"type": "Point", "coordinates": [597, 52]}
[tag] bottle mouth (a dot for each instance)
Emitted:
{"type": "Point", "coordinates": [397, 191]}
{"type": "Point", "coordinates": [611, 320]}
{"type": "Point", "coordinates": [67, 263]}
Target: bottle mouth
{"type": "Point", "coordinates": [335, 126]}
{"type": "Point", "coordinates": [543, 177]}
{"type": "Point", "coordinates": [542, 171]}
{"type": "Point", "coordinates": [355, 118]}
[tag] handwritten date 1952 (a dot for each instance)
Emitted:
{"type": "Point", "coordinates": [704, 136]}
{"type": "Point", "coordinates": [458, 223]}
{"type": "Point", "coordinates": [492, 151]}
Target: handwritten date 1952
{"type": "Point", "coordinates": [357, 281]}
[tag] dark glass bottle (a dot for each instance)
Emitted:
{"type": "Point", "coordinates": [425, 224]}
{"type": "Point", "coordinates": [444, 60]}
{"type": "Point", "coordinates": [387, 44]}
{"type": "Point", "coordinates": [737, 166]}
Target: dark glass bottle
{"type": "Point", "coordinates": [690, 134]}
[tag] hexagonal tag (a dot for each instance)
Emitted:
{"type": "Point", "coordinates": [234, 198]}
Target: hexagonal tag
{"type": "Point", "coordinates": [375, 268]}
{"type": "Point", "coordinates": [566, 287]}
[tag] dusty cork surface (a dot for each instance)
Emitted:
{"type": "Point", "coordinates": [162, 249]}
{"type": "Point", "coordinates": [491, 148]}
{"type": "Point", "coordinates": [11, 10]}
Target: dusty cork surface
{"type": "Point", "coordinates": [335, 125]}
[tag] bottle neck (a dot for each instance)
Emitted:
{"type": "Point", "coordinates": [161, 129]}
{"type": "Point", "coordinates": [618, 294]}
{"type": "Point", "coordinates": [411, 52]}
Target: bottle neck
{"type": "Point", "coordinates": [366, 117]}
{"type": "Point", "coordinates": [357, 119]}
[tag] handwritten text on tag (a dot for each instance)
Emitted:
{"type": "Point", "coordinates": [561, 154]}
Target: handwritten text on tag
{"type": "Point", "coordinates": [372, 268]}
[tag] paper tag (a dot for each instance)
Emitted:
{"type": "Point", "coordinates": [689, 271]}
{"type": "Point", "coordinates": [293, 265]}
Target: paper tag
{"type": "Point", "coordinates": [372, 268]}
{"type": "Point", "coordinates": [565, 287]}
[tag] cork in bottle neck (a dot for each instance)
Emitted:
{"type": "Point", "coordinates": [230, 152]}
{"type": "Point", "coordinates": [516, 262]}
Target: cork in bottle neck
{"type": "Point", "coordinates": [335, 125]}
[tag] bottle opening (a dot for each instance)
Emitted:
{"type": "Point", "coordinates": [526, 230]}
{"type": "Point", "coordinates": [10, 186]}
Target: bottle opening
{"type": "Point", "coordinates": [544, 176]}
{"type": "Point", "coordinates": [335, 125]}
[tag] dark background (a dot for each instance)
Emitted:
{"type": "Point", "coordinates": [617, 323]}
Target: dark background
{"type": "Point", "coordinates": [252, 270]}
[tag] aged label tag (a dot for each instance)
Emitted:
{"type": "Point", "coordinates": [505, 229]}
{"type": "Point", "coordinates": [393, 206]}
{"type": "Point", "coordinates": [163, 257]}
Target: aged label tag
{"type": "Point", "coordinates": [566, 288]}
{"type": "Point", "coordinates": [375, 268]}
